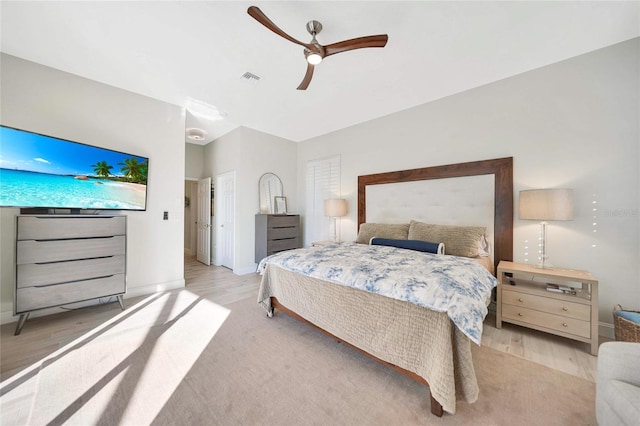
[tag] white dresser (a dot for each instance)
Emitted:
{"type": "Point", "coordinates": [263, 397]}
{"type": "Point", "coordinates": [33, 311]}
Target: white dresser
{"type": "Point", "coordinates": [62, 259]}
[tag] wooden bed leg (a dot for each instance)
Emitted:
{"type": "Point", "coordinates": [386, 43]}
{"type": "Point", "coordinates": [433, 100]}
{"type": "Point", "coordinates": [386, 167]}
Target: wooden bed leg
{"type": "Point", "coordinates": [273, 302]}
{"type": "Point", "coordinates": [436, 407]}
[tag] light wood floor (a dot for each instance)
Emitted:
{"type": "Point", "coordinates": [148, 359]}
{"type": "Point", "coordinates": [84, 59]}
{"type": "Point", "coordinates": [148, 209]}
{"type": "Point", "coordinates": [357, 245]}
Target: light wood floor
{"type": "Point", "coordinates": [44, 335]}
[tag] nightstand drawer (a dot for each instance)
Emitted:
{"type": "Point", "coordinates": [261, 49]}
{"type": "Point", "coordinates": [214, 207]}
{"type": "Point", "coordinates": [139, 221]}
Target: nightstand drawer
{"type": "Point", "coordinates": [545, 304]}
{"type": "Point", "coordinates": [546, 320]}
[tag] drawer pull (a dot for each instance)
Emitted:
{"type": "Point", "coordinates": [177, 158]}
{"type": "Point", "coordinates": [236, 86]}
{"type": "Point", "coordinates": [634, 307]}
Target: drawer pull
{"type": "Point", "coordinates": [520, 299]}
{"type": "Point", "coordinates": [564, 308]}
{"type": "Point", "coordinates": [564, 324]}
{"type": "Point", "coordinates": [520, 314]}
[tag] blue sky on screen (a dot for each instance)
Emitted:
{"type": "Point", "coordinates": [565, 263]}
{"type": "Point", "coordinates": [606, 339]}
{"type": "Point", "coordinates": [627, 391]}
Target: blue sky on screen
{"type": "Point", "coordinates": [20, 150]}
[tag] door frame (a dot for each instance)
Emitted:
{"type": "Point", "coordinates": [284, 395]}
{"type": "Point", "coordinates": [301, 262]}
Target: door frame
{"type": "Point", "coordinates": [203, 226]}
{"type": "Point", "coordinates": [192, 217]}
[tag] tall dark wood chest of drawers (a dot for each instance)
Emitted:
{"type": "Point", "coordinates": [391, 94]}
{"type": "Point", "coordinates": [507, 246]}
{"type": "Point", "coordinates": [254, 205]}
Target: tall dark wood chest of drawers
{"type": "Point", "coordinates": [276, 232]}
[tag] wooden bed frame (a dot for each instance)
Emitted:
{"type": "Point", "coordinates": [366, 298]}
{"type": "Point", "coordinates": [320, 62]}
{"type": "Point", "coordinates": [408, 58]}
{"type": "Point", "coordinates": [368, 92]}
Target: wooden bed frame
{"type": "Point", "coordinates": [502, 169]}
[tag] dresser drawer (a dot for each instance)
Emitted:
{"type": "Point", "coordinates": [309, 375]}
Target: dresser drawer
{"type": "Point", "coordinates": [52, 228]}
{"type": "Point", "coordinates": [546, 320]}
{"type": "Point", "coordinates": [282, 245]}
{"type": "Point", "coordinates": [32, 298]}
{"type": "Point", "coordinates": [39, 274]}
{"type": "Point", "coordinates": [32, 251]}
{"type": "Point", "coordinates": [282, 221]}
{"type": "Point", "coordinates": [546, 304]}
{"type": "Point", "coordinates": [281, 233]}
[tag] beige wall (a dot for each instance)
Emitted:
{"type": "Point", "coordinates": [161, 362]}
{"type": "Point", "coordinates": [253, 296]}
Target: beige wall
{"type": "Point", "coordinates": [48, 101]}
{"type": "Point", "coordinates": [571, 124]}
{"type": "Point", "coordinates": [194, 161]}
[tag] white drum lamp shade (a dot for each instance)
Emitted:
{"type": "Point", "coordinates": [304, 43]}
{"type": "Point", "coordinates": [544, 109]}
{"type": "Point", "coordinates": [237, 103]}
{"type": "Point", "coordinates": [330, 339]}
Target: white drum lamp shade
{"type": "Point", "coordinates": [335, 208]}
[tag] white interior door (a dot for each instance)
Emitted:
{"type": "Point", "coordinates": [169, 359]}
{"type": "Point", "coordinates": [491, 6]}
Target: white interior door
{"type": "Point", "coordinates": [204, 221]}
{"type": "Point", "coordinates": [225, 218]}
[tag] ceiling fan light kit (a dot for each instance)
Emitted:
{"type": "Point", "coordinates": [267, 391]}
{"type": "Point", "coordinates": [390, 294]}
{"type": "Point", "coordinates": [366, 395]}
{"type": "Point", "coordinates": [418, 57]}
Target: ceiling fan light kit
{"type": "Point", "coordinates": [313, 58]}
{"type": "Point", "coordinates": [314, 52]}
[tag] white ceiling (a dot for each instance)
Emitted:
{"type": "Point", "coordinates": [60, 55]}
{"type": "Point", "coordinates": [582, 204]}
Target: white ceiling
{"type": "Point", "coordinates": [193, 54]}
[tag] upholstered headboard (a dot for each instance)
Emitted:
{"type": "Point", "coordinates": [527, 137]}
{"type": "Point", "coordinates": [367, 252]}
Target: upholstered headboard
{"type": "Point", "coordinates": [465, 195]}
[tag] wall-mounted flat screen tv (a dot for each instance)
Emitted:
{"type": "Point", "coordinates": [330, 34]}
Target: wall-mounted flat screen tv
{"type": "Point", "coordinates": [38, 171]}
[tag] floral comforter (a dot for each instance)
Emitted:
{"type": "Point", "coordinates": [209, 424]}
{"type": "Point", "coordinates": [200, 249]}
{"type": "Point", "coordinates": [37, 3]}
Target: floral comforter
{"type": "Point", "coordinates": [456, 285]}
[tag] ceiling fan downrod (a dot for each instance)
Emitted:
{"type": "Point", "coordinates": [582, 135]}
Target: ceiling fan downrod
{"type": "Point", "coordinates": [314, 27]}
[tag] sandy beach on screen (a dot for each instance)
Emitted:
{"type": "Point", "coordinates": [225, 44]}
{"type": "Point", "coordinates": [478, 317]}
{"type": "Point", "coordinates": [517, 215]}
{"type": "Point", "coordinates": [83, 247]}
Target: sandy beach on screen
{"type": "Point", "coordinates": [136, 187]}
{"type": "Point", "coordinates": [136, 192]}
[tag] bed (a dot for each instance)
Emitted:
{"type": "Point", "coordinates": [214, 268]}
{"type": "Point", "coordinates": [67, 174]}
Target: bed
{"type": "Point", "coordinates": [427, 338]}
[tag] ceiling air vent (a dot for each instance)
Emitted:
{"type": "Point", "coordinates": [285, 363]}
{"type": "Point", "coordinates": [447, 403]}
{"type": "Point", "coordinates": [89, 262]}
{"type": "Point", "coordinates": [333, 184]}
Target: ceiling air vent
{"type": "Point", "coordinates": [196, 134]}
{"type": "Point", "coordinates": [250, 77]}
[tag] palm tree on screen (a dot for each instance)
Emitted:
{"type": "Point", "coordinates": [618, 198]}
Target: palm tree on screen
{"type": "Point", "coordinates": [134, 171]}
{"type": "Point", "coordinates": [144, 170]}
{"type": "Point", "coordinates": [102, 169]}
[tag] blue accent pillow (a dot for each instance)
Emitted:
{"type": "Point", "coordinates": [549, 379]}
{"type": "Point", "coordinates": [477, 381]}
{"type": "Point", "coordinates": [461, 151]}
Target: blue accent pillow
{"type": "Point", "coordinates": [417, 245]}
{"type": "Point", "coordinates": [631, 316]}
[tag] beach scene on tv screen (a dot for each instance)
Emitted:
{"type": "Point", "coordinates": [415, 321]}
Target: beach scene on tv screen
{"type": "Point", "coordinates": [41, 171]}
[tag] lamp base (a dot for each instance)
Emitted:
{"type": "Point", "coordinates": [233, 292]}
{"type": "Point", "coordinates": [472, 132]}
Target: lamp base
{"type": "Point", "coordinates": [545, 265]}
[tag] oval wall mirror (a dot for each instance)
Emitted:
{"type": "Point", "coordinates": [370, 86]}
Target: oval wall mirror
{"type": "Point", "coordinates": [270, 186]}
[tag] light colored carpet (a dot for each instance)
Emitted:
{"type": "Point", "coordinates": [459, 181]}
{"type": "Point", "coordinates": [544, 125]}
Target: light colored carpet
{"type": "Point", "coordinates": [178, 359]}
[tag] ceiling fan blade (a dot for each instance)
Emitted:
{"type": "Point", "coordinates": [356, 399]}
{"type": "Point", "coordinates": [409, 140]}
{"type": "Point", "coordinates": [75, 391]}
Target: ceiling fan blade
{"type": "Point", "coordinates": [257, 14]}
{"type": "Point", "coordinates": [356, 43]}
{"type": "Point", "coordinates": [307, 78]}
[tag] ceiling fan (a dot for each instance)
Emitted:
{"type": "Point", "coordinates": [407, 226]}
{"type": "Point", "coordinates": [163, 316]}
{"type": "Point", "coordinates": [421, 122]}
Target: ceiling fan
{"type": "Point", "coordinates": [314, 52]}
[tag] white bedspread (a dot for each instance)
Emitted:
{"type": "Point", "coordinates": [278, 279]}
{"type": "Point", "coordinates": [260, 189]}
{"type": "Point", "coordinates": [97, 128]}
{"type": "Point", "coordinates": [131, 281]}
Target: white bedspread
{"type": "Point", "coordinates": [455, 285]}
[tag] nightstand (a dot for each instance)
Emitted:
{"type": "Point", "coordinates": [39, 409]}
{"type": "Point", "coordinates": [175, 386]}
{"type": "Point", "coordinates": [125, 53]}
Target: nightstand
{"type": "Point", "coordinates": [523, 299]}
{"type": "Point", "coordinates": [322, 243]}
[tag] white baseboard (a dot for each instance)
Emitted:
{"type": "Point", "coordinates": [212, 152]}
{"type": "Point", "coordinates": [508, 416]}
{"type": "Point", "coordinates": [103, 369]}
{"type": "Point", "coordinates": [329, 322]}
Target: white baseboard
{"type": "Point", "coordinates": [7, 317]}
{"type": "Point", "coordinates": [246, 270]}
{"type": "Point", "coordinates": [606, 330]}
{"type": "Point", "coordinates": [153, 288]}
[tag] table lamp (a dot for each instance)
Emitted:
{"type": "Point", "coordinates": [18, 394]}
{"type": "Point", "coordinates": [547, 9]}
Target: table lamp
{"type": "Point", "coordinates": [335, 208]}
{"type": "Point", "coordinates": [544, 205]}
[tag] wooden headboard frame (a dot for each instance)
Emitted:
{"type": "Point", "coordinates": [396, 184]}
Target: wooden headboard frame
{"type": "Point", "coordinates": [501, 168]}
